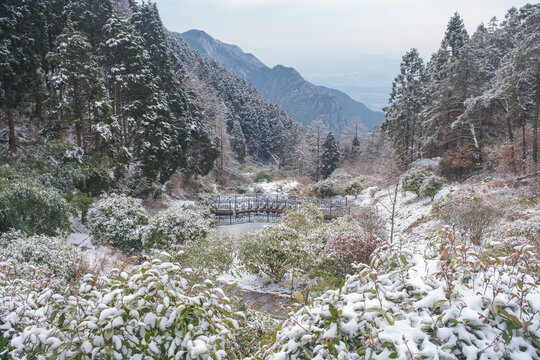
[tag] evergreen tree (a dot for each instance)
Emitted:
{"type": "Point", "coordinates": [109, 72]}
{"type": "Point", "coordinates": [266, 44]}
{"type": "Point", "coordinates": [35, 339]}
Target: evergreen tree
{"type": "Point", "coordinates": [446, 91]}
{"type": "Point", "coordinates": [238, 141]}
{"type": "Point", "coordinates": [402, 123]}
{"type": "Point", "coordinates": [330, 155]}
{"type": "Point", "coordinates": [89, 17]}
{"type": "Point", "coordinates": [23, 38]}
{"type": "Point", "coordinates": [455, 36]}
{"type": "Point", "coordinates": [189, 133]}
{"type": "Point", "coordinates": [78, 96]}
{"type": "Point", "coordinates": [140, 107]}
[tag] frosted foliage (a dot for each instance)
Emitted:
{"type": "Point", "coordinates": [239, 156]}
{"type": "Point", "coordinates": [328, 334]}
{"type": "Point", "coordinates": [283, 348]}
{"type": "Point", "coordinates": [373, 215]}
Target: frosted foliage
{"type": "Point", "coordinates": [154, 314]}
{"type": "Point", "coordinates": [116, 220]}
{"type": "Point", "coordinates": [58, 260]}
{"type": "Point", "coordinates": [173, 227]}
{"type": "Point", "coordinates": [303, 219]}
{"type": "Point", "coordinates": [440, 302]}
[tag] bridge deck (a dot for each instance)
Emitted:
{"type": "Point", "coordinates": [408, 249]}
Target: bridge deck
{"type": "Point", "coordinates": [256, 205]}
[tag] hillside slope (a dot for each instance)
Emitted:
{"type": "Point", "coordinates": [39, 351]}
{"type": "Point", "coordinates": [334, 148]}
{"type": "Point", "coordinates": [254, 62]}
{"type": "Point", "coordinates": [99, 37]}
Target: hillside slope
{"type": "Point", "coordinates": [302, 100]}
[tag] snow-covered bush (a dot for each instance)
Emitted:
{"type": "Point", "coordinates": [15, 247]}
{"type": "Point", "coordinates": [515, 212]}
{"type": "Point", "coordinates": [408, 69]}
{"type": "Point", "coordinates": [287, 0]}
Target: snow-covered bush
{"type": "Point", "coordinates": [32, 207]}
{"type": "Point", "coordinates": [272, 251]}
{"type": "Point", "coordinates": [303, 219]}
{"type": "Point", "coordinates": [370, 220]}
{"type": "Point", "coordinates": [354, 188]}
{"type": "Point", "coordinates": [445, 301]}
{"type": "Point", "coordinates": [57, 259]}
{"type": "Point", "coordinates": [347, 250]}
{"type": "Point", "coordinates": [414, 179]}
{"type": "Point", "coordinates": [207, 257]}
{"type": "Point", "coordinates": [254, 328]}
{"type": "Point", "coordinates": [266, 175]}
{"type": "Point", "coordinates": [326, 188]}
{"type": "Point", "coordinates": [431, 186]}
{"type": "Point", "coordinates": [468, 212]}
{"type": "Point", "coordinates": [344, 225]}
{"type": "Point", "coordinates": [206, 205]}
{"type": "Point", "coordinates": [172, 227]}
{"type": "Point", "coordinates": [154, 314]}
{"type": "Point", "coordinates": [117, 220]}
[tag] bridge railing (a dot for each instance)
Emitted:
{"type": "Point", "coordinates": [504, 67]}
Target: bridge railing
{"type": "Point", "coordinates": [240, 203]}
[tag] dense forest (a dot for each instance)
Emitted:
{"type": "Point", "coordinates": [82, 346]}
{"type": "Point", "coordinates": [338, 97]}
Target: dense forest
{"type": "Point", "coordinates": [475, 92]}
{"type": "Point", "coordinates": [99, 85]}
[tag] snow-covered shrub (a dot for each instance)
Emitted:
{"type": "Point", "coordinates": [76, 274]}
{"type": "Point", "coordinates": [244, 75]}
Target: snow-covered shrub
{"type": "Point", "coordinates": [58, 260]}
{"type": "Point", "coordinates": [172, 227]}
{"type": "Point", "coordinates": [117, 220]}
{"type": "Point", "coordinates": [370, 220]}
{"type": "Point", "coordinates": [347, 250]}
{"type": "Point", "coordinates": [468, 212]}
{"type": "Point", "coordinates": [32, 207]}
{"type": "Point", "coordinates": [208, 256]}
{"type": "Point", "coordinates": [431, 186]}
{"type": "Point", "coordinates": [206, 204]}
{"type": "Point", "coordinates": [445, 301]}
{"type": "Point", "coordinates": [523, 231]}
{"type": "Point", "coordinates": [326, 188]}
{"type": "Point", "coordinates": [303, 219]}
{"type": "Point", "coordinates": [264, 175]}
{"type": "Point", "coordinates": [354, 188]}
{"type": "Point", "coordinates": [253, 329]}
{"type": "Point", "coordinates": [414, 179]}
{"type": "Point", "coordinates": [154, 314]}
{"type": "Point", "coordinates": [272, 251]}
{"type": "Point", "coordinates": [344, 225]}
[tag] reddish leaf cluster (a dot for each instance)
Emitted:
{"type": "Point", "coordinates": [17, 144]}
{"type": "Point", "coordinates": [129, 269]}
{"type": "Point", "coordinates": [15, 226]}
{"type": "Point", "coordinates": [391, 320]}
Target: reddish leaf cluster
{"type": "Point", "coordinates": [356, 248]}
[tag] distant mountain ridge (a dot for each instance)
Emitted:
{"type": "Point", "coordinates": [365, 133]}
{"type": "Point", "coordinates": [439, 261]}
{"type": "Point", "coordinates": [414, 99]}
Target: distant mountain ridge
{"type": "Point", "coordinates": [302, 100]}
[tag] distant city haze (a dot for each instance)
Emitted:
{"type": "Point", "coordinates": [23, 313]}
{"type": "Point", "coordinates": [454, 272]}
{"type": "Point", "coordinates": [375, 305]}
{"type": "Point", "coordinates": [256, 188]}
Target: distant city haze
{"type": "Point", "coordinates": [351, 45]}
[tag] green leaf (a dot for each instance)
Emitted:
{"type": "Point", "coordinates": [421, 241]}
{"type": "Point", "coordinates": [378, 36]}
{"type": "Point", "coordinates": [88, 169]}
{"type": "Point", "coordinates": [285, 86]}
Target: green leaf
{"type": "Point", "coordinates": [108, 334]}
{"type": "Point", "coordinates": [439, 303]}
{"type": "Point", "coordinates": [333, 311]}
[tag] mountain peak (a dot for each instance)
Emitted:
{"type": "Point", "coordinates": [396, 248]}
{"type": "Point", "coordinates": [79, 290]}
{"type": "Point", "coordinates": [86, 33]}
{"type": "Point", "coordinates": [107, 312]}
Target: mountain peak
{"type": "Point", "coordinates": [231, 57]}
{"type": "Point", "coordinates": [286, 87]}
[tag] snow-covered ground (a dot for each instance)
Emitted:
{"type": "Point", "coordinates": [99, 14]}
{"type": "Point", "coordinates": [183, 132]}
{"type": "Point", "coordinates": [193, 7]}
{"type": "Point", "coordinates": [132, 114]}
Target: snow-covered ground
{"type": "Point", "coordinates": [239, 230]}
{"type": "Point", "coordinates": [280, 186]}
{"type": "Point", "coordinates": [412, 213]}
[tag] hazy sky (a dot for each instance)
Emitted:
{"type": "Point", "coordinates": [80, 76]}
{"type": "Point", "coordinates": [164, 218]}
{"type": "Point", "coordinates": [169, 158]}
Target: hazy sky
{"type": "Point", "coordinates": [327, 39]}
{"type": "Point", "coordinates": [287, 31]}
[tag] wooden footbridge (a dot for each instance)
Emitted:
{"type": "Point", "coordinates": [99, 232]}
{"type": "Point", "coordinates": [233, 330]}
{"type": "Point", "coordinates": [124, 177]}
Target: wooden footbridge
{"type": "Point", "coordinates": [235, 208]}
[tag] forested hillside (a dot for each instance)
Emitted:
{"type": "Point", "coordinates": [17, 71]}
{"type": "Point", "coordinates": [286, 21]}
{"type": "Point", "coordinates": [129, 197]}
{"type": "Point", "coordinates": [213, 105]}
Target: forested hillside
{"type": "Point", "coordinates": [97, 85]}
{"type": "Point", "coordinates": [475, 92]}
{"type": "Point", "coordinates": [302, 100]}
{"type": "Point", "coordinates": [257, 126]}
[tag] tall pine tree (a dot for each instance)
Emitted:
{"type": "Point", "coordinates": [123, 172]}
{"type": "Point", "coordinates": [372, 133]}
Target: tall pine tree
{"type": "Point", "coordinates": [402, 121]}
{"type": "Point", "coordinates": [78, 97]}
{"type": "Point", "coordinates": [330, 155]}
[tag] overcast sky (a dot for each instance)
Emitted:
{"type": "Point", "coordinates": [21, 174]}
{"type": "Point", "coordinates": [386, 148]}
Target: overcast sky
{"type": "Point", "coordinates": [287, 31]}
{"type": "Point", "coordinates": [318, 37]}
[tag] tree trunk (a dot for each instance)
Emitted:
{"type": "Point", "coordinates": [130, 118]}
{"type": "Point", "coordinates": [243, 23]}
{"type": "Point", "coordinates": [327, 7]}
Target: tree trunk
{"type": "Point", "coordinates": [393, 214]}
{"type": "Point", "coordinates": [524, 145]}
{"type": "Point", "coordinates": [511, 138]}
{"type": "Point", "coordinates": [535, 131]}
{"type": "Point", "coordinates": [11, 124]}
{"type": "Point", "coordinates": [78, 131]}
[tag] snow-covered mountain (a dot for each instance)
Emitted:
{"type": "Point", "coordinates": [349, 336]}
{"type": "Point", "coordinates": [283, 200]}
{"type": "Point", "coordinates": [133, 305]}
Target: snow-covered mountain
{"type": "Point", "coordinates": [302, 100]}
